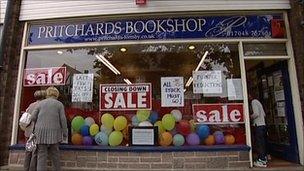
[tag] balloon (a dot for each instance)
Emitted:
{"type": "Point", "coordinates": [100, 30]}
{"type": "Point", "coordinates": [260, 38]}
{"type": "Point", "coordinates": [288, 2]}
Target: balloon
{"type": "Point", "coordinates": [94, 129]}
{"type": "Point", "coordinates": [89, 121]}
{"type": "Point", "coordinates": [161, 129]}
{"type": "Point", "coordinates": [76, 139]}
{"type": "Point", "coordinates": [107, 120]}
{"type": "Point", "coordinates": [135, 120]}
{"type": "Point", "coordinates": [193, 139]}
{"type": "Point", "coordinates": [183, 127]}
{"type": "Point", "coordinates": [87, 140]}
{"type": "Point", "coordinates": [85, 130]}
{"type": "Point", "coordinates": [192, 124]}
{"type": "Point", "coordinates": [120, 123]}
{"type": "Point", "coordinates": [153, 117]}
{"type": "Point", "coordinates": [168, 122]}
{"type": "Point", "coordinates": [105, 129]}
{"type": "Point", "coordinates": [101, 138]}
{"type": "Point", "coordinates": [115, 138]}
{"type": "Point", "coordinates": [142, 115]}
{"type": "Point", "coordinates": [165, 139]}
{"type": "Point", "coordinates": [77, 123]}
{"type": "Point", "coordinates": [145, 123]}
{"type": "Point", "coordinates": [177, 114]}
{"type": "Point", "coordinates": [219, 137]}
{"type": "Point", "coordinates": [173, 131]}
{"type": "Point", "coordinates": [229, 139]}
{"type": "Point", "coordinates": [178, 140]}
{"type": "Point", "coordinates": [210, 140]}
{"type": "Point", "coordinates": [203, 131]}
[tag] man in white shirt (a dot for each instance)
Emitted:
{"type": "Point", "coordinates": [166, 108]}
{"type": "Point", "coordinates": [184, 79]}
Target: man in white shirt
{"type": "Point", "coordinates": [258, 121]}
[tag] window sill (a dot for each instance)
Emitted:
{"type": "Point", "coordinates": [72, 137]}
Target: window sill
{"type": "Point", "coordinates": [146, 148]}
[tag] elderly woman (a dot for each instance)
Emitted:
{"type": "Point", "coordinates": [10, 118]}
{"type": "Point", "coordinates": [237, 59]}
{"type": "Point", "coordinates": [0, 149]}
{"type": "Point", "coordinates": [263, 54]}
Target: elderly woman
{"type": "Point", "coordinates": [31, 157]}
{"type": "Point", "coordinates": [50, 129]}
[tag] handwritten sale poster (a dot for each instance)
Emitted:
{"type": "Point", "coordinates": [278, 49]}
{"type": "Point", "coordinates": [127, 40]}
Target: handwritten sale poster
{"type": "Point", "coordinates": [82, 90]}
{"type": "Point", "coordinates": [172, 91]}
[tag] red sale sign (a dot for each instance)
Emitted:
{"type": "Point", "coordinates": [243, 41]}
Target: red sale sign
{"type": "Point", "coordinates": [44, 76]}
{"type": "Point", "coordinates": [125, 97]}
{"type": "Point", "coordinates": [218, 113]}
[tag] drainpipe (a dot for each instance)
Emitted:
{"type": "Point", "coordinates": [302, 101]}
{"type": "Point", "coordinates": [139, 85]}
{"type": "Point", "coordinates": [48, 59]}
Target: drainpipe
{"type": "Point", "coordinates": [7, 20]}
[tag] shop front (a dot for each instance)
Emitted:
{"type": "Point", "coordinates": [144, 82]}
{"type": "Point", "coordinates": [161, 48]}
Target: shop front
{"type": "Point", "coordinates": [160, 92]}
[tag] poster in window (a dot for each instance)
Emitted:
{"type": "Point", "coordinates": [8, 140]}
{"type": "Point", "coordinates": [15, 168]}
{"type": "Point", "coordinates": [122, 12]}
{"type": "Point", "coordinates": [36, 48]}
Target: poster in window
{"type": "Point", "coordinates": [207, 82]}
{"type": "Point", "coordinates": [172, 91]}
{"type": "Point", "coordinates": [82, 90]}
{"type": "Point", "coordinates": [277, 80]}
{"type": "Point", "coordinates": [281, 109]}
{"type": "Point", "coordinates": [235, 90]}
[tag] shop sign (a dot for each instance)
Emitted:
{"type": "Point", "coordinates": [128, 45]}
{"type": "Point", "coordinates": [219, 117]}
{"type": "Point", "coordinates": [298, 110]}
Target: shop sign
{"type": "Point", "coordinates": [218, 113]}
{"type": "Point", "coordinates": [172, 91]}
{"type": "Point", "coordinates": [196, 27]}
{"type": "Point", "coordinates": [125, 97]}
{"type": "Point", "coordinates": [141, 2]}
{"type": "Point", "coordinates": [44, 76]}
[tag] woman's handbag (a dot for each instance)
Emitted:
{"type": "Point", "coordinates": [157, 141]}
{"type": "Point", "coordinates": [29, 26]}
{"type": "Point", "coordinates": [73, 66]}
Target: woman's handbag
{"type": "Point", "coordinates": [31, 143]}
{"type": "Point", "coordinates": [25, 120]}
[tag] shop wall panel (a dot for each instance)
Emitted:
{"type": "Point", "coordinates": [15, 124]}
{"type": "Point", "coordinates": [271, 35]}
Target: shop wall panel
{"type": "Point", "coordinates": [47, 9]}
{"type": "Point", "coordinates": [2, 10]}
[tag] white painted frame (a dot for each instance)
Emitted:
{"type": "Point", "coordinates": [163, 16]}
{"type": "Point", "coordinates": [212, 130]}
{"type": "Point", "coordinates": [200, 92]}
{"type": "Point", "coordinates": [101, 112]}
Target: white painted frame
{"type": "Point", "coordinates": [242, 58]}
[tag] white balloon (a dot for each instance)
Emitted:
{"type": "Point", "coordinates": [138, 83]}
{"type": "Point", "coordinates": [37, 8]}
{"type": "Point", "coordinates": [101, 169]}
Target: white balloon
{"type": "Point", "coordinates": [89, 121]}
{"type": "Point", "coordinates": [105, 130]}
{"type": "Point", "coordinates": [177, 114]}
{"type": "Point", "coordinates": [145, 123]}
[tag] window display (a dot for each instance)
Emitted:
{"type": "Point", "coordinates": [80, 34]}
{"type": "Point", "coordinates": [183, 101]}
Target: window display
{"type": "Point", "coordinates": [108, 89]}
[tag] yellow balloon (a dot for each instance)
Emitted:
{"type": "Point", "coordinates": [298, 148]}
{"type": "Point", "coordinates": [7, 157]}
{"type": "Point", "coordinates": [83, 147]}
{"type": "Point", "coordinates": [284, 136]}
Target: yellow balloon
{"type": "Point", "coordinates": [142, 115]}
{"type": "Point", "coordinates": [94, 129]}
{"type": "Point", "coordinates": [115, 138]}
{"type": "Point", "coordinates": [161, 129]}
{"type": "Point", "coordinates": [120, 123]}
{"type": "Point", "coordinates": [107, 120]}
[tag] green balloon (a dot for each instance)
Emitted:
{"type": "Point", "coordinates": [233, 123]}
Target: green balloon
{"type": "Point", "coordinates": [168, 122]}
{"type": "Point", "coordinates": [107, 120]}
{"type": "Point", "coordinates": [115, 138]}
{"type": "Point", "coordinates": [77, 123]}
{"type": "Point", "coordinates": [142, 115]}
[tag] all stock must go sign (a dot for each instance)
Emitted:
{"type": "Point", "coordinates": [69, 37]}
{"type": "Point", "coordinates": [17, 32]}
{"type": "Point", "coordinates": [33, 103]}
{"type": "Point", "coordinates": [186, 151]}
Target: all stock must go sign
{"type": "Point", "coordinates": [218, 113]}
{"type": "Point", "coordinates": [125, 97]}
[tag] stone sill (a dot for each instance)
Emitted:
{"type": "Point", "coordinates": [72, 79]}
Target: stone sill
{"type": "Point", "coordinates": [146, 148]}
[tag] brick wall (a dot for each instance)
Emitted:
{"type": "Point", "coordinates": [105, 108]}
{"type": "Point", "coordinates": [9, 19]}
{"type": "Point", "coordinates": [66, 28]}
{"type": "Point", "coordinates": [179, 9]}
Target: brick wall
{"type": "Point", "coordinates": [81, 160]}
{"type": "Point", "coordinates": [8, 78]}
{"type": "Point", "coordinates": [296, 15]}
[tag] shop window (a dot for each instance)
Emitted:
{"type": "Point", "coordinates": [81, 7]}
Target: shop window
{"type": "Point", "coordinates": [265, 49]}
{"type": "Point", "coordinates": [206, 108]}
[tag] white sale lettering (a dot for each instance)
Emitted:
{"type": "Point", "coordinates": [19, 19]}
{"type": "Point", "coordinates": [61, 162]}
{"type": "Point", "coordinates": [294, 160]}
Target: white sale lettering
{"type": "Point", "coordinates": [44, 76]}
{"type": "Point", "coordinates": [218, 113]}
{"type": "Point", "coordinates": [125, 97]}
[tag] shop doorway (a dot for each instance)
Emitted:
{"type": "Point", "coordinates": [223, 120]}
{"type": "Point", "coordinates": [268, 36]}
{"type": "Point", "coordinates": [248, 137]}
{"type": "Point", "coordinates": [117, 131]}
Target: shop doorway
{"type": "Point", "coordinates": [268, 80]}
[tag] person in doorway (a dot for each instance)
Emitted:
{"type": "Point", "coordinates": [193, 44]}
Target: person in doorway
{"type": "Point", "coordinates": [50, 129]}
{"type": "Point", "coordinates": [258, 121]}
{"type": "Point", "coordinates": [30, 160]}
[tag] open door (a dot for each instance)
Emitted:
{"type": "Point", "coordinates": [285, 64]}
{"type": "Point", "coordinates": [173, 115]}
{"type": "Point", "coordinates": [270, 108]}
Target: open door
{"type": "Point", "coordinates": [269, 79]}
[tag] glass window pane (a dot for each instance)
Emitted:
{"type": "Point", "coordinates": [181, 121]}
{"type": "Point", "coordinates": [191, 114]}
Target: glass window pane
{"type": "Point", "coordinates": [265, 49]}
{"type": "Point", "coordinates": [146, 63]}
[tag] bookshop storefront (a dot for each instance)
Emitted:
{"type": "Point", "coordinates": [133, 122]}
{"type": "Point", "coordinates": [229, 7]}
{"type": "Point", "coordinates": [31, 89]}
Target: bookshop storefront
{"type": "Point", "coordinates": [156, 92]}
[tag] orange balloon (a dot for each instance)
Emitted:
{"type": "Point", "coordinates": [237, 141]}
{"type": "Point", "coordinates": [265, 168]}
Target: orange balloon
{"type": "Point", "coordinates": [210, 140]}
{"type": "Point", "coordinates": [165, 139]}
{"type": "Point", "coordinates": [229, 139]}
{"type": "Point", "coordinates": [76, 139]}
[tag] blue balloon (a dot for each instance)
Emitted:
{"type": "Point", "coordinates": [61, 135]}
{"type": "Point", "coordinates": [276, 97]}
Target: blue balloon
{"type": "Point", "coordinates": [102, 138]}
{"type": "Point", "coordinates": [203, 131]}
{"type": "Point", "coordinates": [135, 120]}
{"type": "Point", "coordinates": [153, 117]}
{"type": "Point", "coordinates": [85, 130]}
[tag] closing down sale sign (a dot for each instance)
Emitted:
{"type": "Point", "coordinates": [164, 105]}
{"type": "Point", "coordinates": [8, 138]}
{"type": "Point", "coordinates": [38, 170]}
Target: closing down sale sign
{"type": "Point", "coordinates": [125, 97]}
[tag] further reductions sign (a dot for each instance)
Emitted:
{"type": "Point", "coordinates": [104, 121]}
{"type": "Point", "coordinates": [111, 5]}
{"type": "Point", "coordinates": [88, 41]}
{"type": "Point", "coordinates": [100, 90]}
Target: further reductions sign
{"type": "Point", "coordinates": [125, 97]}
{"type": "Point", "coordinates": [44, 76]}
{"type": "Point", "coordinates": [218, 113]}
